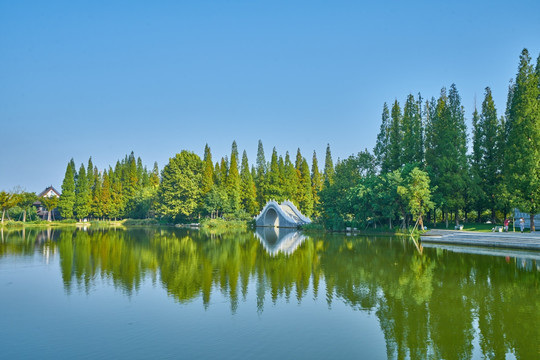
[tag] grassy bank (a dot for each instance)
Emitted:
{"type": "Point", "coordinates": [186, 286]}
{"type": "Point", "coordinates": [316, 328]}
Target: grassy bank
{"type": "Point", "coordinates": [222, 226]}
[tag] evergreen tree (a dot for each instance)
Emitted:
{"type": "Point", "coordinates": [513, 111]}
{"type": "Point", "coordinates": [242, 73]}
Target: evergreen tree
{"type": "Point", "coordinates": [522, 160]}
{"type": "Point", "coordinates": [305, 198]}
{"type": "Point", "coordinates": [299, 158]}
{"type": "Point", "coordinates": [154, 176]}
{"type": "Point", "coordinates": [316, 185]}
{"type": "Point", "coordinates": [290, 180]}
{"type": "Point", "coordinates": [82, 195]}
{"type": "Point", "coordinates": [105, 196]}
{"type": "Point", "coordinates": [383, 139]}
{"type": "Point", "coordinates": [233, 181]}
{"type": "Point", "coordinates": [395, 148]}
{"type": "Point", "coordinates": [248, 194]}
{"type": "Point", "coordinates": [90, 174]}
{"type": "Point", "coordinates": [412, 143]}
{"type": "Point", "coordinates": [328, 168]}
{"type": "Point", "coordinates": [208, 171]}
{"type": "Point", "coordinates": [131, 182]}
{"type": "Point", "coordinates": [66, 202]}
{"type": "Point", "coordinates": [273, 185]}
{"type": "Point", "coordinates": [490, 147]}
{"type": "Point", "coordinates": [477, 192]}
{"type": "Point", "coordinates": [96, 204]}
{"type": "Point", "coordinates": [260, 179]}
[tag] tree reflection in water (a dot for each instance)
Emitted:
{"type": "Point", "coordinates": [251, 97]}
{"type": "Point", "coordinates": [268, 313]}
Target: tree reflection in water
{"type": "Point", "coordinates": [429, 305]}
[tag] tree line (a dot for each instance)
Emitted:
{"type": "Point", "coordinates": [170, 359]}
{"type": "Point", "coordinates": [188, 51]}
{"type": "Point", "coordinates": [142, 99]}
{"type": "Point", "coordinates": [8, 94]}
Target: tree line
{"type": "Point", "coordinates": [420, 165]}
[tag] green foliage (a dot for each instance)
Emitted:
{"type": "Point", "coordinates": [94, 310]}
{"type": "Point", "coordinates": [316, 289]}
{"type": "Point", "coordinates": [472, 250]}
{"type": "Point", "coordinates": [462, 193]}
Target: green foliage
{"type": "Point", "coordinates": [66, 204]}
{"type": "Point", "coordinates": [233, 180]}
{"type": "Point", "coordinates": [522, 150]}
{"type": "Point", "coordinates": [316, 185]}
{"type": "Point", "coordinates": [247, 189]}
{"type": "Point", "coordinates": [179, 194]}
{"type": "Point", "coordinates": [82, 195]}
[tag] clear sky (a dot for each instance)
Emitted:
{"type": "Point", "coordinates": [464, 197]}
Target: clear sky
{"type": "Point", "coordinates": [104, 78]}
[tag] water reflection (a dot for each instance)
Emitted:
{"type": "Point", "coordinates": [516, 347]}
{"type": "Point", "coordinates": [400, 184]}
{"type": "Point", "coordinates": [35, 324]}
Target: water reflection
{"type": "Point", "coordinates": [428, 306]}
{"type": "Point", "coordinates": [279, 240]}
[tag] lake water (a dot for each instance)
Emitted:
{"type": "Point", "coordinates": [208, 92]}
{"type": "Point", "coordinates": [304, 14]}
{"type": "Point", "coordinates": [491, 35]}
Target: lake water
{"type": "Point", "coordinates": [166, 293]}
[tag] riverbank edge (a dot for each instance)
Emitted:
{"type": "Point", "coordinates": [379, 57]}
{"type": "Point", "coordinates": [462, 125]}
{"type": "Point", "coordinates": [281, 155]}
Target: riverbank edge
{"type": "Point", "coordinates": [508, 240]}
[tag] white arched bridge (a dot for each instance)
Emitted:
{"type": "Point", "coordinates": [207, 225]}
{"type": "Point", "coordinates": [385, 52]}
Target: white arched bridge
{"type": "Point", "coordinates": [281, 215]}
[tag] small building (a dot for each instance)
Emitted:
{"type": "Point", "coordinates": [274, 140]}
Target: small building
{"type": "Point", "coordinates": [42, 210]}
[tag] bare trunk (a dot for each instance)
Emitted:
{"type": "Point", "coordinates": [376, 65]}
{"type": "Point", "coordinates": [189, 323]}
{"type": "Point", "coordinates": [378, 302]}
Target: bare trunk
{"type": "Point", "coordinates": [457, 217]}
{"type": "Point", "coordinates": [48, 216]}
{"type": "Point", "coordinates": [24, 216]}
{"type": "Point", "coordinates": [390, 222]}
{"type": "Point", "coordinates": [533, 229]}
{"type": "Point", "coordinates": [493, 216]}
{"type": "Point", "coordinates": [3, 213]}
{"type": "Point", "coordinates": [446, 218]}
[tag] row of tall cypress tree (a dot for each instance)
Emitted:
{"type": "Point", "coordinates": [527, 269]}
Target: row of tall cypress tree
{"type": "Point", "coordinates": [125, 191]}
{"type": "Point", "coordinates": [501, 171]}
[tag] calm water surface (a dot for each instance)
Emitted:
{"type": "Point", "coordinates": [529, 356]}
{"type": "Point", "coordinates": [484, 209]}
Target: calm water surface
{"type": "Point", "coordinates": [154, 293]}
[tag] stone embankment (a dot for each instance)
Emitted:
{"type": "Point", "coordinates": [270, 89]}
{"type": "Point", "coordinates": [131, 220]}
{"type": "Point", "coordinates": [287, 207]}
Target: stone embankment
{"type": "Point", "coordinates": [509, 240]}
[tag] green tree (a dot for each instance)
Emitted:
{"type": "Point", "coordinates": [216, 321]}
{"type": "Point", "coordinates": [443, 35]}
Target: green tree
{"type": "Point", "coordinates": [490, 148]}
{"type": "Point", "coordinates": [66, 202]}
{"type": "Point", "coordinates": [316, 185]}
{"type": "Point", "coordinates": [7, 201]}
{"type": "Point", "coordinates": [305, 199]}
{"type": "Point", "coordinates": [26, 199]}
{"type": "Point", "coordinates": [273, 186]}
{"type": "Point", "coordinates": [82, 195]}
{"type": "Point", "coordinates": [446, 146]}
{"type": "Point", "coordinates": [248, 193]}
{"type": "Point", "coordinates": [522, 150]}
{"type": "Point", "coordinates": [260, 179]}
{"type": "Point", "coordinates": [382, 145]}
{"type": "Point", "coordinates": [233, 180]}
{"type": "Point", "coordinates": [328, 167]}
{"type": "Point", "coordinates": [179, 193]}
{"type": "Point", "coordinates": [417, 194]}
{"type": "Point", "coordinates": [395, 144]}
{"type": "Point", "coordinates": [413, 141]}
{"type": "Point", "coordinates": [50, 204]}
{"type": "Point", "coordinates": [208, 171]}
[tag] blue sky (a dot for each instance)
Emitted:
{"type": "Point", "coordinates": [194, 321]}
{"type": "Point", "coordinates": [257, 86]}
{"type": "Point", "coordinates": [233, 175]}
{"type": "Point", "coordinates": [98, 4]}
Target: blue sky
{"type": "Point", "coordinates": [102, 79]}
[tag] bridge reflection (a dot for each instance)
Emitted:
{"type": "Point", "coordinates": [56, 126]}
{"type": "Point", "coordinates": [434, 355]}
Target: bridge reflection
{"type": "Point", "coordinates": [279, 240]}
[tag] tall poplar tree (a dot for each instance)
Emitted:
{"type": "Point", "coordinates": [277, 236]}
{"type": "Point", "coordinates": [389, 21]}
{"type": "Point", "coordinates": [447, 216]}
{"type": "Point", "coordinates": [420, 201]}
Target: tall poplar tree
{"type": "Point", "coordinates": [490, 148]}
{"type": "Point", "coordinates": [260, 179]}
{"type": "Point", "coordinates": [328, 168]}
{"type": "Point", "coordinates": [82, 195]}
{"type": "Point", "coordinates": [66, 202]}
{"type": "Point", "coordinates": [522, 160]}
{"type": "Point", "coordinates": [290, 176]}
{"type": "Point", "coordinates": [383, 139]}
{"type": "Point", "coordinates": [273, 190]}
{"type": "Point", "coordinates": [248, 194]}
{"type": "Point", "coordinates": [395, 149]}
{"type": "Point", "coordinates": [305, 197]}
{"type": "Point", "coordinates": [208, 171]}
{"type": "Point", "coordinates": [412, 138]}
{"type": "Point", "coordinates": [316, 185]}
{"type": "Point", "coordinates": [233, 181]}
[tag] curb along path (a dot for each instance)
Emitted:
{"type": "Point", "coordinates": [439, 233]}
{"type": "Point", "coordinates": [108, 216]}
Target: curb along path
{"type": "Point", "coordinates": [529, 241]}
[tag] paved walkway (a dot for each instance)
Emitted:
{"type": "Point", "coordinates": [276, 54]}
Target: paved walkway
{"type": "Point", "coordinates": [512, 240]}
